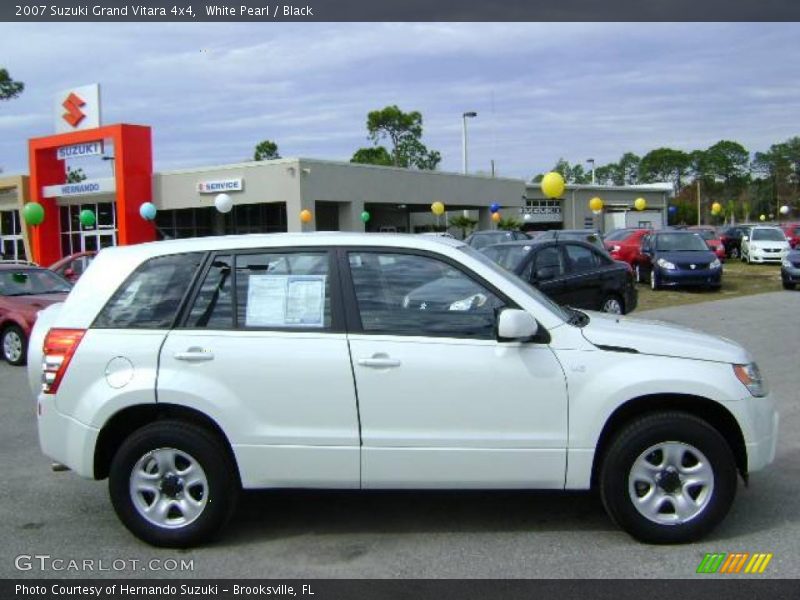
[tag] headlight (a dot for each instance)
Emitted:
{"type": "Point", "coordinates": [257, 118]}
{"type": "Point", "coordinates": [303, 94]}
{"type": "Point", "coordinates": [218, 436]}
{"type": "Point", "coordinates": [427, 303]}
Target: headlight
{"type": "Point", "coordinates": [786, 263]}
{"type": "Point", "coordinates": [616, 248]}
{"type": "Point", "coordinates": [474, 301]}
{"type": "Point", "coordinates": [751, 378]}
{"type": "Point", "coordinates": [715, 264]}
{"type": "Point", "coordinates": [665, 264]}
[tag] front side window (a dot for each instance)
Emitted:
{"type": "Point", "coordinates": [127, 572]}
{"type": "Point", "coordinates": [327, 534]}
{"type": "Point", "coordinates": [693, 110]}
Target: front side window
{"type": "Point", "coordinates": [151, 296]}
{"type": "Point", "coordinates": [409, 294]}
{"type": "Point", "coordinates": [580, 258]}
{"type": "Point", "coordinates": [549, 263]}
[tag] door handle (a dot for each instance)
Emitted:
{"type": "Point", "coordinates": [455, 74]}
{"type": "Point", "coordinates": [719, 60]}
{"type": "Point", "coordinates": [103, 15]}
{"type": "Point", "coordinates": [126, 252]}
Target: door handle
{"type": "Point", "coordinates": [379, 361]}
{"type": "Point", "coordinates": [194, 355]}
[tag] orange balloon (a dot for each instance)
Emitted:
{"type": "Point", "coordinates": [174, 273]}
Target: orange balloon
{"type": "Point", "coordinates": [496, 217]}
{"type": "Point", "coordinates": [306, 216]}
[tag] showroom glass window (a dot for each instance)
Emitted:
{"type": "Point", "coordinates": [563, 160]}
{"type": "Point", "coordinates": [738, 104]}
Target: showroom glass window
{"type": "Point", "coordinates": [410, 294]}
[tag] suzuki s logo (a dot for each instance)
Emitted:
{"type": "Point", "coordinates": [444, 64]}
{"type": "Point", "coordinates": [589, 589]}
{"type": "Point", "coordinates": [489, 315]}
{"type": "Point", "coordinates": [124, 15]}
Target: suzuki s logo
{"type": "Point", "coordinates": [74, 114]}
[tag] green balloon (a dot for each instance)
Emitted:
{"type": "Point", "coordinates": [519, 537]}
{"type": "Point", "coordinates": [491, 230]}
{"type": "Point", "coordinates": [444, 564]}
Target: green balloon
{"type": "Point", "coordinates": [365, 216]}
{"type": "Point", "coordinates": [87, 218]}
{"type": "Point", "coordinates": [33, 213]}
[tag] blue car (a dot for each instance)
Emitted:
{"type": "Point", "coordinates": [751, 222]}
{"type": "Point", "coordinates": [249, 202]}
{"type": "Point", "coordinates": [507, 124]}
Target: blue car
{"type": "Point", "coordinates": [678, 258]}
{"type": "Point", "coordinates": [790, 270]}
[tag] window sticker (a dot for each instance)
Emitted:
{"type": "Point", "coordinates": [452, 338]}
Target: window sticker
{"type": "Point", "coordinates": [285, 301]}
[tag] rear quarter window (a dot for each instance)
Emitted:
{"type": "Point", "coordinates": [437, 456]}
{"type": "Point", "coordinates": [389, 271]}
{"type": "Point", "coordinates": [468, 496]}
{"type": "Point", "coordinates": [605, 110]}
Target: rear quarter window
{"type": "Point", "coordinates": [151, 296]}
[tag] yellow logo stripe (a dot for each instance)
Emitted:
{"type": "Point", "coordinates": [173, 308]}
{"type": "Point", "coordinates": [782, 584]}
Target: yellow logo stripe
{"type": "Point", "coordinates": [741, 562]}
{"type": "Point", "coordinates": [767, 558]}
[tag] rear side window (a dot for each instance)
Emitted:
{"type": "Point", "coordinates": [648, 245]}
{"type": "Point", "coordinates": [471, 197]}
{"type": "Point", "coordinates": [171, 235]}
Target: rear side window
{"type": "Point", "coordinates": [151, 296]}
{"type": "Point", "coordinates": [580, 258]}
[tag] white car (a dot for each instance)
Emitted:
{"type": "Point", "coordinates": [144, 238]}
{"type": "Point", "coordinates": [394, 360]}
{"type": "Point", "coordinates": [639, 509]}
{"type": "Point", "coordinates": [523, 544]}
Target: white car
{"type": "Point", "coordinates": [186, 370]}
{"type": "Point", "coordinates": [764, 244]}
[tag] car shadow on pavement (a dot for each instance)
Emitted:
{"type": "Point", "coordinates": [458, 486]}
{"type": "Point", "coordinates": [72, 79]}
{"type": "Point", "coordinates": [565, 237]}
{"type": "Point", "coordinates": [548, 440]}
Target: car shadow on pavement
{"type": "Point", "coordinates": [264, 515]}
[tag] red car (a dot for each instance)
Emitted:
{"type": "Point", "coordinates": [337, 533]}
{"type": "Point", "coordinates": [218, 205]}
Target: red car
{"type": "Point", "coordinates": [712, 238]}
{"type": "Point", "coordinates": [792, 231]}
{"type": "Point", "coordinates": [72, 267]}
{"type": "Point", "coordinates": [24, 291]}
{"type": "Point", "coordinates": [625, 244]}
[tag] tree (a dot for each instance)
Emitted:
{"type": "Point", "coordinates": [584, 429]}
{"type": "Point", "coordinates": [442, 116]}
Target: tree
{"type": "Point", "coordinates": [266, 150]}
{"type": "Point", "coordinates": [664, 164]}
{"type": "Point", "coordinates": [75, 175]}
{"type": "Point", "coordinates": [509, 223]}
{"type": "Point", "coordinates": [465, 224]}
{"type": "Point", "coordinates": [8, 87]}
{"type": "Point", "coordinates": [376, 155]}
{"type": "Point", "coordinates": [628, 169]}
{"type": "Point", "coordinates": [403, 131]}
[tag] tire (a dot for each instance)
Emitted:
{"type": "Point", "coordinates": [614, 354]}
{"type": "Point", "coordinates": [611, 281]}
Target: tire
{"type": "Point", "coordinates": [653, 281]}
{"type": "Point", "coordinates": [159, 456]}
{"type": "Point", "coordinates": [734, 253]}
{"type": "Point", "coordinates": [666, 449]}
{"type": "Point", "coordinates": [638, 273]}
{"type": "Point", "coordinates": [787, 285]}
{"type": "Point", "coordinates": [613, 304]}
{"type": "Point", "coordinates": [15, 345]}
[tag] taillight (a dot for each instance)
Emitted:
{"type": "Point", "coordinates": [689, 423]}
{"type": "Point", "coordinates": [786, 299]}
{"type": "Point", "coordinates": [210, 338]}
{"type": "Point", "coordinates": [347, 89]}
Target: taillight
{"type": "Point", "coordinates": [59, 346]}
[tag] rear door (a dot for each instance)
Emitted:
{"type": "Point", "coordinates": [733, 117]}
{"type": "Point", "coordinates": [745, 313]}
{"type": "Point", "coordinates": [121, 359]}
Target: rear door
{"type": "Point", "coordinates": [585, 280]}
{"type": "Point", "coordinates": [262, 350]}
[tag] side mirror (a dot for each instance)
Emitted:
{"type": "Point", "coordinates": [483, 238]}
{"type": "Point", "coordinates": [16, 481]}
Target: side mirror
{"type": "Point", "coordinates": [515, 324]}
{"type": "Point", "coordinates": [70, 274]}
{"type": "Point", "coordinates": [545, 273]}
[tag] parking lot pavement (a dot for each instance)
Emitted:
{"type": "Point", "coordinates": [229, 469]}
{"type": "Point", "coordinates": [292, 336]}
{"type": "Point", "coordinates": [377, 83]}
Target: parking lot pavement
{"type": "Point", "coordinates": [347, 534]}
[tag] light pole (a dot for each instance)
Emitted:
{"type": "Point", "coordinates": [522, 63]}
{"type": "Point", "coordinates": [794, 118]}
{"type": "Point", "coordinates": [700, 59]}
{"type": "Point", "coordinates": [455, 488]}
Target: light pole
{"type": "Point", "coordinates": [591, 162]}
{"type": "Point", "coordinates": [464, 117]}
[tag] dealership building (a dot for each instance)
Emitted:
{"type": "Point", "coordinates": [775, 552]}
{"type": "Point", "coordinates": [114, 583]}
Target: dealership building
{"type": "Point", "coordinates": [267, 196]}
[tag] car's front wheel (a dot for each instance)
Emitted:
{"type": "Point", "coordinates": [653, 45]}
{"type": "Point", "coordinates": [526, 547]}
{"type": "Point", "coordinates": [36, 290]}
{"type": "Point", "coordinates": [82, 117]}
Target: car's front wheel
{"type": "Point", "coordinates": [173, 484]}
{"type": "Point", "coordinates": [788, 286]}
{"type": "Point", "coordinates": [15, 345]}
{"type": "Point", "coordinates": [668, 478]}
{"type": "Point", "coordinates": [613, 305]}
{"type": "Point", "coordinates": [654, 285]}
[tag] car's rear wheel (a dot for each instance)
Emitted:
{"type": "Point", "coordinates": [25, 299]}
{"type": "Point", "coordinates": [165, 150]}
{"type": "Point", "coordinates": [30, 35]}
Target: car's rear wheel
{"type": "Point", "coordinates": [613, 304]}
{"type": "Point", "coordinates": [15, 345]}
{"type": "Point", "coordinates": [668, 478]}
{"type": "Point", "coordinates": [173, 484]}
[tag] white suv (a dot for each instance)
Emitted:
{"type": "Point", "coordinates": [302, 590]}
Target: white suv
{"type": "Point", "coordinates": [761, 244]}
{"type": "Point", "coordinates": [187, 370]}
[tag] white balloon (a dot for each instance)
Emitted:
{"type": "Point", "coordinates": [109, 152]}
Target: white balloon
{"type": "Point", "coordinates": [784, 210]}
{"type": "Point", "coordinates": [223, 202]}
{"type": "Point", "coordinates": [527, 217]}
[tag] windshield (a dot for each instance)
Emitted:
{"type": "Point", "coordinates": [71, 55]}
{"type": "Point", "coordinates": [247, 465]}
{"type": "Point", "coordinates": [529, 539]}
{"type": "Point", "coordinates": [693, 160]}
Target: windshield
{"type": "Point", "coordinates": [768, 235]}
{"type": "Point", "coordinates": [706, 234]}
{"type": "Point", "coordinates": [509, 256]}
{"type": "Point", "coordinates": [27, 282]}
{"type": "Point", "coordinates": [487, 239]}
{"type": "Point", "coordinates": [517, 282]}
{"type": "Point", "coordinates": [680, 242]}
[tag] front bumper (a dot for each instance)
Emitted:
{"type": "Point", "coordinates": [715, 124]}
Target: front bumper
{"type": "Point", "coordinates": [699, 277]}
{"type": "Point", "coordinates": [759, 421]}
{"type": "Point", "coordinates": [65, 440]}
{"type": "Point", "coordinates": [790, 274]}
{"type": "Point", "coordinates": [767, 257]}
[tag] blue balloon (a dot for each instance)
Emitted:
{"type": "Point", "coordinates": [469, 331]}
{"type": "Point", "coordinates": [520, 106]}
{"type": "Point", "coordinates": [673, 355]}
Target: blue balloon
{"type": "Point", "coordinates": [672, 209]}
{"type": "Point", "coordinates": [148, 211]}
{"type": "Point", "coordinates": [494, 207]}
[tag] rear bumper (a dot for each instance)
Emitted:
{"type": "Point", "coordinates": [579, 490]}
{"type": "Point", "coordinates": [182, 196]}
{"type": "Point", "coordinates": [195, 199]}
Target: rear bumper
{"type": "Point", "coordinates": [65, 440]}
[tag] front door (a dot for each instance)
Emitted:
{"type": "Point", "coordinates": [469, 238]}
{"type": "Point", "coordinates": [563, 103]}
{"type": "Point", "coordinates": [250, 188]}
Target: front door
{"type": "Point", "coordinates": [97, 240]}
{"type": "Point", "coordinates": [442, 403]}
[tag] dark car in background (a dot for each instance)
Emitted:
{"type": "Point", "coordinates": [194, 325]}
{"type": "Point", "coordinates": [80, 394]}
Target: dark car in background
{"type": "Point", "coordinates": [711, 237]}
{"type": "Point", "coordinates": [591, 236]}
{"type": "Point", "coordinates": [481, 239]}
{"type": "Point", "coordinates": [731, 238]}
{"type": "Point", "coordinates": [790, 270]}
{"type": "Point", "coordinates": [24, 291]}
{"type": "Point", "coordinates": [570, 272]}
{"type": "Point", "coordinates": [624, 244]}
{"type": "Point", "coordinates": [678, 258]}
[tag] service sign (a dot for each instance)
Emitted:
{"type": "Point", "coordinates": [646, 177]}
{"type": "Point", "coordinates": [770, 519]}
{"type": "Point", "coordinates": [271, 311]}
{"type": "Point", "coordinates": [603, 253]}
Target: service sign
{"type": "Point", "coordinates": [77, 108]}
{"type": "Point", "coordinates": [80, 150]}
{"type": "Point", "coordinates": [221, 185]}
{"type": "Point", "coordinates": [82, 188]}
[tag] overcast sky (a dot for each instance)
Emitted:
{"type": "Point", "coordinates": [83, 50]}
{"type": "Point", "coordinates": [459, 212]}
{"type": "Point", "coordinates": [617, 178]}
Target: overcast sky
{"type": "Point", "coordinates": [542, 91]}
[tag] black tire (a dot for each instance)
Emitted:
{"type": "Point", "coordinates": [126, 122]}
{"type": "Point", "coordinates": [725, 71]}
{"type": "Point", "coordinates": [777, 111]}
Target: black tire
{"type": "Point", "coordinates": [218, 496]}
{"type": "Point", "coordinates": [734, 253]}
{"type": "Point", "coordinates": [14, 343]}
{"type": "Point", "coordinates": [787, 285]}
{"type": "Point", "coordinates": [609, 301]}
{"type": "Point", "coordinates": [637, 273]}
{"type": "Point", "coordinates": [654, 285]}
{"type": "Point", "coordinates": [693, 437]}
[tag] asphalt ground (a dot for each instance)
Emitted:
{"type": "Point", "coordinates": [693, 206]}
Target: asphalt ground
{"type": "Point", "coordinates": [291, 534]}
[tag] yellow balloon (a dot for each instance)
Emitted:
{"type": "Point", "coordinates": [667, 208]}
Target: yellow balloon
{"type": "Point", "coordinates": [305, 215]}
{"type": "Point", "coordinates": [763, 217]}
{"type": "Point", "coordinates": [640, 204]}
{"type": "Point", "coordinates": [496, 217]}
{"type": "Point", "coordinates": [437, 208]}
{"type": "Point", "coordinates": [596, 204]}
{"type": "Point", "coordinates": [553, 185]}
{"type": "Point", "coordinates": [716, 208]}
